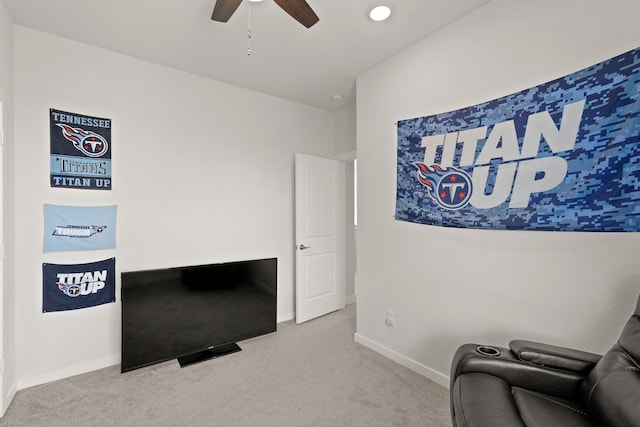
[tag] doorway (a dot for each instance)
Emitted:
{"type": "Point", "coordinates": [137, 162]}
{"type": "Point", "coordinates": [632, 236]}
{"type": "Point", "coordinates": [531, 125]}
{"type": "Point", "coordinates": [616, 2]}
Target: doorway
{"type": "Point", "coordinates": [319, 230]}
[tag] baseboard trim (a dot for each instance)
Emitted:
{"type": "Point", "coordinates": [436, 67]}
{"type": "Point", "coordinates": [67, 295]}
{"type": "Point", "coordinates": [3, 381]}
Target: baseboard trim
{"type": "Point", "coordinates": [350, 299]}
{"type": "Point", "coordinates": [70, 371]}
{"type": "Point", "coordinates": [11, 393]}
{"type": "Point", "coordinates": [285, 317]}
{"type": "Point", "coordinates": [421, 369]}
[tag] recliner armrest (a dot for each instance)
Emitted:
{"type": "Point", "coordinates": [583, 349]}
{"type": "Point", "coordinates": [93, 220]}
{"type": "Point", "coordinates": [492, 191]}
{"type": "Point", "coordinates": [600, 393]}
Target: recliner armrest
{"type": "Point", "coordinates": [516, 372]}
{"type": "Point", "coordinates": [552, 356]}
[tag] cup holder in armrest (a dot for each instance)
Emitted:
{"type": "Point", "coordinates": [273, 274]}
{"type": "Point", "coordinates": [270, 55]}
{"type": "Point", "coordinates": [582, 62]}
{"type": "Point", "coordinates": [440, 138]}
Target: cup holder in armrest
{"type": "Point", "coordinates": [486, 350]}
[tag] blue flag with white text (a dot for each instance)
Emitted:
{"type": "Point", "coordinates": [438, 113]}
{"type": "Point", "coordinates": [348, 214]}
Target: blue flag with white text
{"type": "Point", "coordinates": [560, 156]}
{"type": "Point", "coordinates": [79, 228]}
{"type": "Point", "coordinates": [80, 151]}
{"type": "Point", "coordinates": [70, 287]}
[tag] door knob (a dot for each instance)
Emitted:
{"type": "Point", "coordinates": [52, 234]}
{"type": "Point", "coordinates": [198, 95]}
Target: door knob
{"type": "Point", "coordinates": [303, 247]}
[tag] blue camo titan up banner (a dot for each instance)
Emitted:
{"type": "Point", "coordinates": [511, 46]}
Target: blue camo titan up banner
{"type": "Point", "coordinates": [74, 286]}
{"type": "Point", "coordinates": [561, 156]}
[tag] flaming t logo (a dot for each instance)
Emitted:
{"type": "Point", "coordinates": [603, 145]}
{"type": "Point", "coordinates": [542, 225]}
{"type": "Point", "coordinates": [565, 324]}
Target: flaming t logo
{"type": "Point", "coordinates": [89, 143]}
{"type": "Point", "coordinates": [449, 187]}
{"type": "Point", "coordinates": [69, 290]}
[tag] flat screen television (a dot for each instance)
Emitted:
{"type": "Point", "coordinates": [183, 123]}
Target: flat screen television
{"type": "Point", "coordinates": [197, 312]}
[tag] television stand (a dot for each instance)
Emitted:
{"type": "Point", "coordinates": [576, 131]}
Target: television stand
{"type": "Point", "coordinates": [210, 353]}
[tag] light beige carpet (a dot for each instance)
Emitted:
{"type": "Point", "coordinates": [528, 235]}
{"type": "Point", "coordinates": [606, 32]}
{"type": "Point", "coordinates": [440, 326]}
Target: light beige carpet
{"type": "Point", "coordinates": [312, 374]}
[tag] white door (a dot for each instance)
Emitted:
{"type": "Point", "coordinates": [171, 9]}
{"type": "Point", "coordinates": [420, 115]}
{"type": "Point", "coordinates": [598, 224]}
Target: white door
{"type": "Point", "coordinates": [320, 219]}
{"type": "Point", "coordinates": [5, 395]}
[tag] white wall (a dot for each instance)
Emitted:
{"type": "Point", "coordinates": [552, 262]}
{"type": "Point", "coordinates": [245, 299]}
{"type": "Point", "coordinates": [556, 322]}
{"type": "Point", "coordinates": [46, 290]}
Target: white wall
{"type": "Point", "coordinates": [345, 148]}
{"type": "Point", "coordinates": [7, 319]}
{"type": "Point", "coordinates": [451, 286]}
{"type": "Point", "coordinates": [345, 130]}
{"type": "Point", "coordinates": [202, 172]}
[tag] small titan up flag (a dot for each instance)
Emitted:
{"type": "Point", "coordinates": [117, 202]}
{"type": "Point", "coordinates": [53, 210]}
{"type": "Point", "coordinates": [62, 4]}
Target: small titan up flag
{"type": "Point", "coordinates": [74, 286]}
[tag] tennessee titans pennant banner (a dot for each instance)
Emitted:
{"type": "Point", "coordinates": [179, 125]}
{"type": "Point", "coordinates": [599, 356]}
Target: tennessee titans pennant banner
{"type": "Point", "coordinates": [80, 151]}
{"type": "Point", "coordinates": [561, 156]}
{"type": "Point", "coordinates": [79, 228]}
{"type": "Point", "coordinates": [70, 287]}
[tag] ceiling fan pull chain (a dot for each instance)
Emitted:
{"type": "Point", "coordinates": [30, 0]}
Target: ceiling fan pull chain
{"type": "Point", "coordinates": [249, 33]}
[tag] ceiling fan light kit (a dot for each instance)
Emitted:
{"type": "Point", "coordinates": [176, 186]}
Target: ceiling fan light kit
{"type": "Point", "coordinates": [298, 9]}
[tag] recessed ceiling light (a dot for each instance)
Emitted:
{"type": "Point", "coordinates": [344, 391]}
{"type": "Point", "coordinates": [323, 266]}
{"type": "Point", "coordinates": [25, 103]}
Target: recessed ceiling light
{"type": "Point", "coordinates": [337, 98]}
{"type": "Point", "coordinates": [379, 12]}
{"type": "Point", "coordinates": [255, 1]}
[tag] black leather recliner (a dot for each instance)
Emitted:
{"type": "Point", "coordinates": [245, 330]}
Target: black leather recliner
{"type": "Point", "coordinates": [531, 384]}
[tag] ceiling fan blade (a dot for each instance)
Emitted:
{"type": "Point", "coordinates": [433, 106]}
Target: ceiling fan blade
{"type": "Point", "coordinates": [223, 9]}
{"type": "Point", "coordinates": [300, 11]}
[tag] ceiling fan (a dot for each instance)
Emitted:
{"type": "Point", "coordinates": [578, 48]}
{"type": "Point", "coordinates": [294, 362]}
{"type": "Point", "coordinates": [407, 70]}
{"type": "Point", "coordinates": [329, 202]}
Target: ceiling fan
{"type": "Point", "coordinates": [298, 9]}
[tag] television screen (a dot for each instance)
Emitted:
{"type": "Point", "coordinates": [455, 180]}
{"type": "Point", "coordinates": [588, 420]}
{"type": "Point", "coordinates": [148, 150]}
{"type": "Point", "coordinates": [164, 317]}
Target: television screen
{"type": "Point", "coordinates": [189, 312]}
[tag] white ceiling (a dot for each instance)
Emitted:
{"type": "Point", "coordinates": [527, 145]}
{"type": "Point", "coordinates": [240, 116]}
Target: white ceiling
{"type": "Point", "coordinates": [287, 60]}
